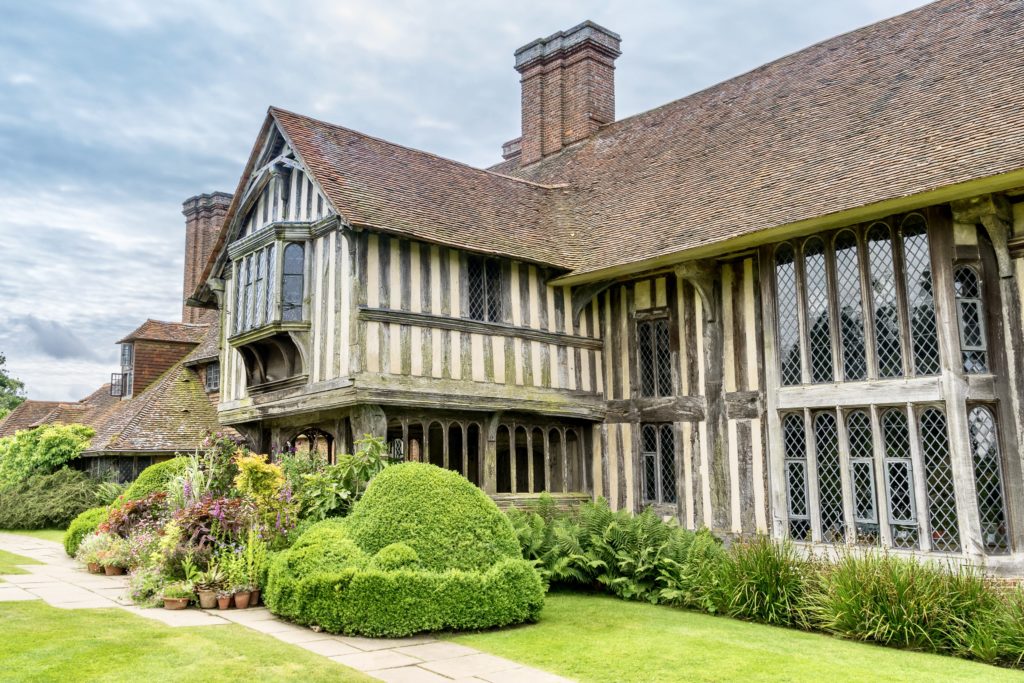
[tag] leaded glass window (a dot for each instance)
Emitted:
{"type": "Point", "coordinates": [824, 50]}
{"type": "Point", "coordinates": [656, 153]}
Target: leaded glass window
{"type": "Point", "coordinates": [971, 317]}
{"type": "Point", "coordinates": [862, 476]}
{"type": "Point", "coordinates": [942, 516]}
{"type": "Point", "coordinates": [239, 296]}
{"type": "Point", "coordinates": [920, 295]}
{"type": "Point", "coordinates": [293, 282]}
{"type": "Point", "coordinates": [794, 442]}
{"type": "Point", "coordinates": [483, 287]}
{"type": "Point", "coordinates": [654, 356]}
{"type": "Point", "coordinates": [272, 287]}
{"type": "Point", "coordinates": [787, 316]}
{"type": "Point", "coordinates": [212, 379]}
{"type": "Point", "coordinates": [888, 348]}
{"type": "Point", "coordinates": [988, 480]}
{"type": "Point", "coordinates": [830, 487]}
{"type": "Point", "coordinates": [899, 479]}
{"type": "Point", "coordinates": [819, 332]}
{"type": "Point", "coordinates": [249, 276]}
{"type": "Point", "coordinates": [851, 310]}
{"type": "Point", "coordinates": [657, 449]}
{"type": "Point", "coordinates": [259, 307]}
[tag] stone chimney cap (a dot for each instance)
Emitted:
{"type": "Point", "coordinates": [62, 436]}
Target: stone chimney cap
{"type": "Point", "coordinates": [210, 200]}
{"type": "Point", "coordinates": [563, 42]}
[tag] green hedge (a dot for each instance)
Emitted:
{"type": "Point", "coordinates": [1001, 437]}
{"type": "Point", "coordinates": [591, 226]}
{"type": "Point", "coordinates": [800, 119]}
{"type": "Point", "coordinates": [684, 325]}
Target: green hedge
{"type": "Point", "coordinates": [47, 500]}
{"type": "Point", "coordinates": [420, 552]}
{"type": "Point", "coordinates": [154, 478]}
{"type": "Point", "coordinates": [81, 526]}
{"type": "Point", "coordinates": [430, 509]}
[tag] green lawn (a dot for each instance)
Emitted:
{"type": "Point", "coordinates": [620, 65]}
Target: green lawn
{"type": "Point", "coordinates": [42, 643]}
{"type": "Point", "coordinates": [56, 535]}
{"type": "Point", "coordinates": [600, 638]}
{"type": "Point", "coordinates": [8, 562]}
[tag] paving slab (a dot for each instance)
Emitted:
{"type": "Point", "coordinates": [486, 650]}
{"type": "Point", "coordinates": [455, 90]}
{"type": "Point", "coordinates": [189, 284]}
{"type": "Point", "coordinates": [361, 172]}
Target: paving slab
{"type": "Point", "coordinates": [437, 650]}
{"type": "Point", "coordinates": [330, 647]}
{"type": "Point", "coordinates": [303, 635]}
{"type": "Point", "coordinates": [409, 674]}
{"type": "Point", "coordinates": [471, 665]}
{"type": "Point", "coordinates": [15, 594]}
{"type": "Point", "coordinates": [370, 644]}
{"type": "Point", "coordinates": [376, 660]}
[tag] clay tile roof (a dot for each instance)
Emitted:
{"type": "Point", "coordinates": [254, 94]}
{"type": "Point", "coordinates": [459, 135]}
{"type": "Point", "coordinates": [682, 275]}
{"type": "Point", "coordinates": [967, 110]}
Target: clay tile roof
{"type": "Point", "coordinates": [173, 415]}
{"type": "Point", "coordinates": [921, 101]}
{"type": "Point", "coordinates": [379, 184]}
{"type": "Point", "coordinates": [159, 330]}
{"type": "Point", "coordinates": [208, 349]}
{"type": "Point", "coordinates": [28, 415]}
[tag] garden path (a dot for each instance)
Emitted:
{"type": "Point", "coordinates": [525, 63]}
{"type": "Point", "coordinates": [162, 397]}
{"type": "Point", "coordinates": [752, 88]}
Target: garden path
{"type": "Point", "coordinates": [62, 582]}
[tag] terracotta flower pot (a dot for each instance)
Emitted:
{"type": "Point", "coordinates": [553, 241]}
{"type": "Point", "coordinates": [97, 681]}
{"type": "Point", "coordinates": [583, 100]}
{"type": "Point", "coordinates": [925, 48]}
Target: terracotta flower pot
{"type": "Point", "coordinates": [254, 597]}
{"type": "Point", "coordinates": [94, 568]}
{"type": "Point", "coordinates": [111, 570]}
{"type": "Point", "coordinates": [175, 603]}
{"type": "Point", "coordinates": [223, 602]}
{"type": "Point", "coordinates": [242, 599]}
{"type": "Point", "coordinates": [207, 599]}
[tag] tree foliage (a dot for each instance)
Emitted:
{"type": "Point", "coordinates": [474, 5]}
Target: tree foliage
{"type": "Point", "coordinates": [41, 450]}
{"type": "Point", "coordinates": [12, 391]}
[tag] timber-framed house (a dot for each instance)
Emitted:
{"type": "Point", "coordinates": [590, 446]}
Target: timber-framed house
{"type": "Point", "coordinates": [787, 304]}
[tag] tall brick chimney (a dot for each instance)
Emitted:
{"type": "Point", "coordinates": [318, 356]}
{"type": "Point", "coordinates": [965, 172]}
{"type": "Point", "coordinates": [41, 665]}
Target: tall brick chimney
{"type": "Point", "coordinates": [568, 84]}
{"type": "Point", "coordinates": [204, 216]}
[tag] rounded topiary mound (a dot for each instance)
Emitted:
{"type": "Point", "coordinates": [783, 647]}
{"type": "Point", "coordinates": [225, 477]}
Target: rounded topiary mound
{"type": "Point", "coordinates": [449, 522]}
{"type": "Point", "coordinates": [81, 526]}
{"type": "Point", "coordinates": [154, 478]}
{"type": "Point", "coordinates": [424, 550]}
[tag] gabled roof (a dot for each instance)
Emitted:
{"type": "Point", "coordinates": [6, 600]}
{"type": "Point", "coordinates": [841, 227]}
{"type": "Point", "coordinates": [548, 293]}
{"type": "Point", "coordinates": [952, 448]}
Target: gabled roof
{"type": "Point", "coordinates": [173, 415]}
{"type": "Point", "coordinates": [160, 330]}
{"type": "Point", "coordinates": [902, 108]}
{"type": "Point", "coordinates": [27, 415]}
{"type": "Point", "coordinates": [928, 99]}
{"type": "Point", "coordinates": [208, 349]}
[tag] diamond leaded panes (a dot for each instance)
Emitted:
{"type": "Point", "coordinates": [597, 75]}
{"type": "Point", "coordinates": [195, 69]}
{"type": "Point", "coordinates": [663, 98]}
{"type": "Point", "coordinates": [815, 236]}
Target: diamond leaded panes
{"type": "Point", "coordinates": [659, 462]}
{"type": "Point", "coordinates": [988, 480]}
{"type": "Point", "coordinates": [970, 316]}
{"type": "Point", "coordinates": [920, 296]}
{"type": "Point", "coordinates": [830, 486]}
{"type": "Point", "coordinates": [899, 479]}
{"type": "Point", "coordinates": [476, 288]}
{"type": "Point", "coordinates": [271, 283]}
{"type": "Point", "coordinates": [819, 332]}
{"type": "Point", "coordinates": [259, 305]}
{"type": "Point", "coordinates": [654, 356]}
{"type": "Point", "coordinates": [239, 296]}
{"type": "Point", "coordinates": [851, 310]}
{"type": "Point", "coordinates": [888, 348]}
{"type": "Point", "coordinates": [249, 299]}
{"type": "Point", "coordinates": [862, 476]}
{"type": "Point", "coordinates": [293, 282]}
{"type": "Point", "coordinates": [794, 442]}
{"type": "Point", "coordinates": [942, 516]}
{"type": "Point", "coordinates": [788, 323]}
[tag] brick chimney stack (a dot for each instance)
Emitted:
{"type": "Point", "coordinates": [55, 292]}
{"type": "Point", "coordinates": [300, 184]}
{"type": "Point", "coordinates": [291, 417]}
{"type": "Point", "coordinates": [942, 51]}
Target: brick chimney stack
{"type": "Point", "coordinates": [568, 82]}
{"type": "Point", "coordinates": [204, 216]}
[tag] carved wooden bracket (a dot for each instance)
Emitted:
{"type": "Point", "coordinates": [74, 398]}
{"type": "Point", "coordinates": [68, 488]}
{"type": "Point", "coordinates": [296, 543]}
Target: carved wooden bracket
{"type": "Point", "coordinates": [584, 294]}
{"type": "Point", "coordinates": [702, 275]}
{"type": "Point", "coordinates": [993, 212]}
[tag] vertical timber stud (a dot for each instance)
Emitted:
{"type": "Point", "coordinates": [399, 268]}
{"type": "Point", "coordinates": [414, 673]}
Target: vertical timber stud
{"type": "Point", "coordinates": [993, 212]}
{"type": "Point", "coordinates": [954, 386]}
{"type": "Point", "coordinates": [489, 435]}
{"type": "Point", "coordinates": [706, 279]}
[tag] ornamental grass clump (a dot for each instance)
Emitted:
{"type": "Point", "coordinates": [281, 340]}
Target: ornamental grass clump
{"type": "Point", "coordinates": [901, 602]}
{"type": "Point", "coordinates": [766, 581]}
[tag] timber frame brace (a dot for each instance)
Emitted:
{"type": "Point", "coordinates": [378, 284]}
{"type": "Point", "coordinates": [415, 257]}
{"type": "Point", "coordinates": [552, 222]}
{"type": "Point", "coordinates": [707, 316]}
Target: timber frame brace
{"type": "Point", "coordinates": [702, 275]}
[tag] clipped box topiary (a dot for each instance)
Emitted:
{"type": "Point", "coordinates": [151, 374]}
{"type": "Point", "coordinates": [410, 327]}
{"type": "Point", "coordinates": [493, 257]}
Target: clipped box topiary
{"type": "Point", "coordinates": [81, 526]}
{"type": "Point", "coordinates": [154, 478]}
{"type": "Point", "coordinates": [423, 550]}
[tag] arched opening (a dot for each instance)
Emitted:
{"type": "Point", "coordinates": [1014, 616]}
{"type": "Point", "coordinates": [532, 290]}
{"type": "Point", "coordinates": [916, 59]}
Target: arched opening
{"type": "Point", "coordinates": [522, 466]}
{"type": "Point", "coordinates": [558, 464]}
{"type": "Point", "coordinates": [314, 443]}
{"type": "Point", "coordinates": [435, 444]}
{"type": "Point", "coordinates": [504, 460]}
{"type": "Point", "coordinates": [539, 470]}
{"type": "Point", "coordinates": [473, 454]}
{"type": "Point", "coordinates": [456, 444]}
{"type": "Point", "coordinates": [574, 458]}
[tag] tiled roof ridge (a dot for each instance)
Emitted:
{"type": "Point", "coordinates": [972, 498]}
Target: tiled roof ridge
{"type": "Point", "coordinates": [140, 332]}
{"type": "Point", "coordinates": [273, 110]}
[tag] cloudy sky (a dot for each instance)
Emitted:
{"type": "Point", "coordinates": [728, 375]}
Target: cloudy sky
{"type": "Point", "coordinates": [114, 111]}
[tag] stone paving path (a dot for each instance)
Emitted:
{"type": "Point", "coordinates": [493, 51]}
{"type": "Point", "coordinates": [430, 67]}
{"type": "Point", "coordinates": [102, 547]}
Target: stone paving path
{"type": "Point", "coordinates": [62, 582]}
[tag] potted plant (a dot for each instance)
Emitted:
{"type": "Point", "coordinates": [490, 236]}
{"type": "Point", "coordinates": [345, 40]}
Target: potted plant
{"type": "Point", "coordinates": [177, 595]}
{"type": "Point", "coordinates": [207, 585]}
{"type": "Point", "coordinates": [88, 551]}
{"type": "Point", "coordinates": [255, 555]}
{"type": "Point", "coordinates": [114, 556]}
{"type": "Point", "coordinates": [223, 599]}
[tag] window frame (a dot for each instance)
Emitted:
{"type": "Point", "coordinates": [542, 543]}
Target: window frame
{"type": "Point", "coordinates": [485, 295]}
{"type": "Point", "coordinates": [662, 450]}
{"type": "Point", "coordinates": [659, 322]}
{"type": "Point", "coordinates": [960, 302]}
{"type": "Point", "coordinates": [207, 384]}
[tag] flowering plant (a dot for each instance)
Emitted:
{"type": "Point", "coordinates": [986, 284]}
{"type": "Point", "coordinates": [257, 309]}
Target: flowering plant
{"type": "Point", "coordinates": [150, 511]}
